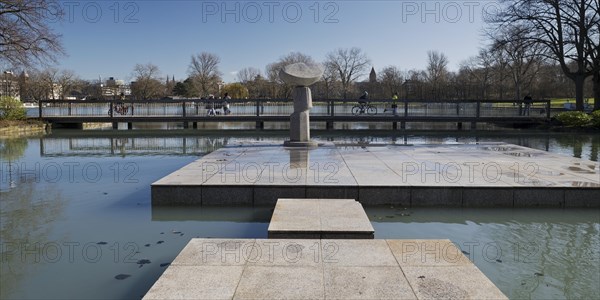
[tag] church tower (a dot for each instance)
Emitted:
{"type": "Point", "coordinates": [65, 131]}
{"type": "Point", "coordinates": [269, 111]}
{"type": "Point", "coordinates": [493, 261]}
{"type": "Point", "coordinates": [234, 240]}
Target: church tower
{"type": "Point", "coordinates": [372, 76]}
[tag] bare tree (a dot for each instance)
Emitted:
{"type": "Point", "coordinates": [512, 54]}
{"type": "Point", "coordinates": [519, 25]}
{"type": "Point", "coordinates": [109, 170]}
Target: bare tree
{"type": "Point", "coordinates": [25, 37]}
{"type": "Point", "coordinates": [246, 75]}
{"type": "Point", "coordinates": [204, 73]}
{"type": "Point", "coordinates": [36, 87]}
{"type": "Point", "coordinates": [480, 68]}
{"type": "Point", "coordinates": [330, 82]}
{"type": "Point", "coordinates": [281, 89]}
{"type": "Point", "coordinates": [525, 57]}
{"type": "Point", "coordinates": [562, 26]}
{"type": "Point", "coordinates": [391, 78]}
{"type": "Point", "coordinates": [67, 81]}
{"type": "Point", "coordinates": [147, 83]}
{"type": "Point", "coordinates": [437, 71]}
{"type": "Point", "coordinates": [415, 83]}
{"type": "Point", "coordinates": [50, 80]}
{"type": "Point", "coordinates": [593, 61]}
{"type": "Point", "coordinates": [350, 64]}
{"type": "Point", "coordinates": [252, 81]}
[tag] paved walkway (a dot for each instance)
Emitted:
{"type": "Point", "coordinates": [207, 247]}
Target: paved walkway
{"type": "Point", "coordinates": [322, 269]}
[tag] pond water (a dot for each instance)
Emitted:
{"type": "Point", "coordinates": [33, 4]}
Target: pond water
{"type": "Point", "coordinates": [76, 220]}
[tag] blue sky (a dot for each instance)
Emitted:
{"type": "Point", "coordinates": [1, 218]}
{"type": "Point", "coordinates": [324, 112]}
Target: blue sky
{"type": "Point", "coordinates": [107, 38]}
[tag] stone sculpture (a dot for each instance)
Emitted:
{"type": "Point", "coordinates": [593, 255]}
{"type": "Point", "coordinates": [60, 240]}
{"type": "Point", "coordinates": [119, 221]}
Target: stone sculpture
{"type": "Point", "coordinates": [301, 75]}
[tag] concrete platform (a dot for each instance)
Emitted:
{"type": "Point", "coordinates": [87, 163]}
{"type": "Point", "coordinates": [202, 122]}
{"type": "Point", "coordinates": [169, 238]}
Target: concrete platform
{"type": "Point", "coordinates": [319, 219]}
{"type": "Point", "coordinates": [462, 175]}
{"type": "Point", "coordinates": [322, 269]}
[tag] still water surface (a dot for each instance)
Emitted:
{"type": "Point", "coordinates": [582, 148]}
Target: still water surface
{"type": "Point", "coordinates": [76, 220]}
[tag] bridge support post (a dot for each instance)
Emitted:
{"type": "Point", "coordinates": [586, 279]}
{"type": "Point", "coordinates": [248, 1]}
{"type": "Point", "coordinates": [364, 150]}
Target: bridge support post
{"type": "Point", "coordinates": [186, 125]}
{"type": "Point", "coordinates": [260, 125]}
{"type": "Point", "coordinates": [329, 125]}
{"type": "Point", "coordinates": [394, 125]}
{"type": "Point", "coordinates": [403, 125]}
{"type": "Point", "coordinates": [129, 125]}
{"type": "Point", "coordinates": [115, 125]}
{"type": "Point", "coordinates": [195, 125]}
{"type": "Point", "coordinates": [459, 126]}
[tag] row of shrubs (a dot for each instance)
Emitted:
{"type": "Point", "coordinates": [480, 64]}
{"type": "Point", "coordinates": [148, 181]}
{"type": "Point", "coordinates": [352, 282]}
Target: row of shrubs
{"type": "Point", "coordinates": [579, 119]}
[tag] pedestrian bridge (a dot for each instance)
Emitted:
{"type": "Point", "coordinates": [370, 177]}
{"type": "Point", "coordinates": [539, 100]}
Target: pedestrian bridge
{"type": "Point", "coordinates": [193, 111]}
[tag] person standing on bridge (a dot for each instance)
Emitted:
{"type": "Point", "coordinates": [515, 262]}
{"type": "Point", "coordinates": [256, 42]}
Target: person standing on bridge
{"type": "Point", "coordinates": [395, 103]}
{"type": "Point", "coordinates": [528, 101]}
{"type": "Point", "coordinates": [226, 110]}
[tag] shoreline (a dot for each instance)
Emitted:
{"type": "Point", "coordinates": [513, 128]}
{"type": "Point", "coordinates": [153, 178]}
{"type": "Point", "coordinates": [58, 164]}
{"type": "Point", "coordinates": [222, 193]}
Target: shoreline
{"type": "Point", "coordinates": [14, 129]}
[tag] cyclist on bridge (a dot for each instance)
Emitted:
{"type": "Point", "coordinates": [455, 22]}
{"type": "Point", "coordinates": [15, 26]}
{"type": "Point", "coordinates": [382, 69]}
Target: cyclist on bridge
{"type": "Point", "coordinates": [364, 96]}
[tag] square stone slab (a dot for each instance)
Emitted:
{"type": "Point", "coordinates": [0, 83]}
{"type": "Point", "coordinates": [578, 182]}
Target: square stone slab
{"type": "Point", "coordinates": [366, 283]}
{"type": "Point", "coordinates": [281, 282]}
{"type": "Point", "coordinates": [196, 282]}
{"type": "Point", "coordinates": [320, 218]}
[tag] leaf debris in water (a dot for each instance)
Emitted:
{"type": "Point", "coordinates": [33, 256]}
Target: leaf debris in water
{"type": "Point", "coordinates": [122, 276]}
{"type": "Point", "coordinates": [143, 262]}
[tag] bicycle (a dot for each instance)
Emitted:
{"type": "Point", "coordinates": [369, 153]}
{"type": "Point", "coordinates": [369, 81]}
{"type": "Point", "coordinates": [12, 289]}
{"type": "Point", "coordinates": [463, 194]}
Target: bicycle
{"type": "Point", "coordinates": [120, 108]}
{"type": "Point", "coordinates": [363, 108]}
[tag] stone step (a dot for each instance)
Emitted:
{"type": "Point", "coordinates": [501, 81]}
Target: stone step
{"type": "Point", "coordinates": [319, 219]}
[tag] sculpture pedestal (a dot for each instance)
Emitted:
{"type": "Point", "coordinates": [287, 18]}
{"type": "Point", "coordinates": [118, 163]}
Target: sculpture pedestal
{"type": "Point", "coordinates": [300, 119]}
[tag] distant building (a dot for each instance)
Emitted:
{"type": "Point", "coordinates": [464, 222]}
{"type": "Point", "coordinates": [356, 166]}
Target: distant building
{"type": "Point", "coordinates": [114, 88]}
{"type": "Point", "coordinates": [9, 85]}
{"type": "Point", "coordinates": [372, 76]}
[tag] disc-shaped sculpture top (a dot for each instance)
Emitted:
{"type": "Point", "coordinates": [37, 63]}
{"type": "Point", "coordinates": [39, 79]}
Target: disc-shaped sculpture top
{"type": "Point", "coordinates": [301, 74]}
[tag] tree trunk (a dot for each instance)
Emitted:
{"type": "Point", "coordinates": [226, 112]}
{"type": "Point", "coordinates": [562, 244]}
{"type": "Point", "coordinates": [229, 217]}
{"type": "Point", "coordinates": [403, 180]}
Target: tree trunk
{"type": "Point", "coordinates": [579, 83]}
{"type": "Point", "coordinates": [596, 84]}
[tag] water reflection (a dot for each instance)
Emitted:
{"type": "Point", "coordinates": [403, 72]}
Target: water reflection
{"type": "Point", "coordinates": [299, 159]}
{"type": "Point", "coordinates": [10, 150]}
{"type": "Point", "coordinates": [127, 143]}
{"type": "Point", "coordinates": [26, 223]}
{"type": "Point", "coordinates": [213, 214]}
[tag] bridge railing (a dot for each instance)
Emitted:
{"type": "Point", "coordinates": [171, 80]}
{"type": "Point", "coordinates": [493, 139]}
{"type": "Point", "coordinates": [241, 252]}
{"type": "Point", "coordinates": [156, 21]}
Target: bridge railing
{"type": "Point", "coordinates": [284, 107]}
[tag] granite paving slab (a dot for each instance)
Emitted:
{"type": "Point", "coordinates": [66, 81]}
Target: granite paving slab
{"type": "Point", "coordinates": [319, 218]}
{"type": "Point", "coordinates": [321, 269]}
{"type": "Point", "coordinates": [429, 175]}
